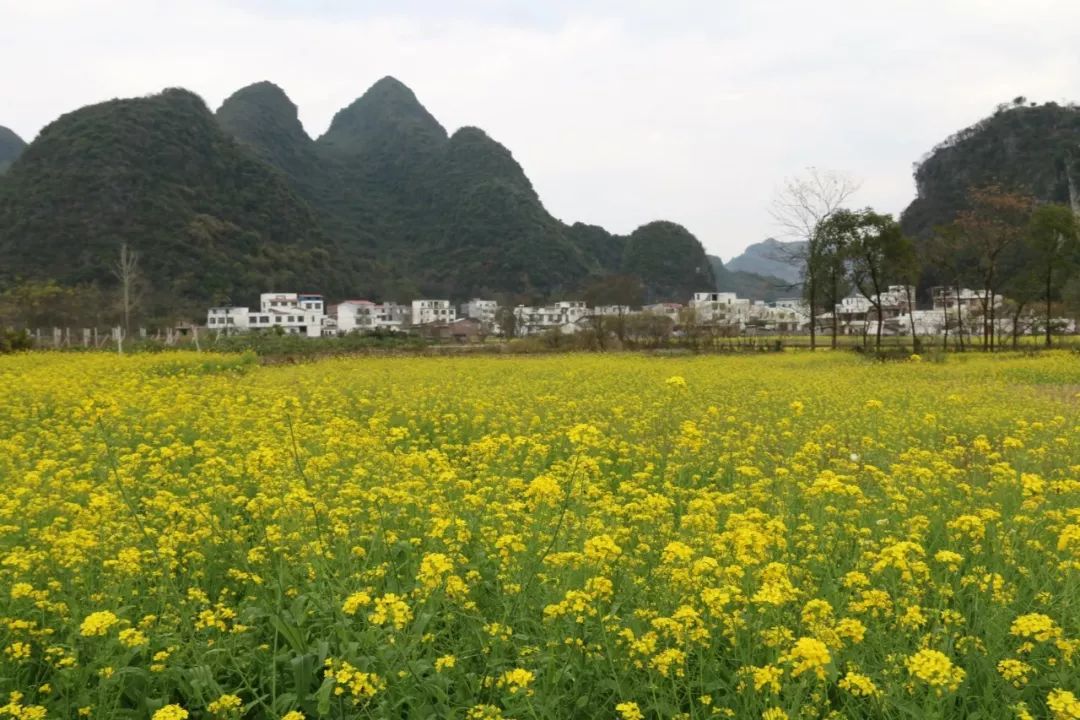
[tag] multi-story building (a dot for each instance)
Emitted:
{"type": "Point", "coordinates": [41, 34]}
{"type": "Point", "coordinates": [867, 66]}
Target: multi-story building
{"type": "Point", "coordinates": [432, 311]}
{"type": "Point", "coordinates": [293, 313]}
{"type": "Point", "coordinates": [227, 319]}
{"type": "Point", "coordinates": [857, 314]}
{"type": "Point", "coordinates": [564, 315]}
{"type": "Point", "coordinates": [367, 316]}
{"type": "Point", "coordinates": [669, 310]}
{"type": "Point", "coordinates": [773, 317]}
{"type": "Point", "coordinates": [720, 308]}
{"type": "Point", "coordinates": [486, 311]}
{"type": "Point", "coordinates": [968, 300]}
{"type": "Point", "coordinates": [612, 310]}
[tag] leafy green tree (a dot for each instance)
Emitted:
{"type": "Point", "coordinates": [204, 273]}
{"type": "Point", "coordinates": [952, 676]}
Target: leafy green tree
{"type": "Point", "coordinates": [829, 262]}
{"type": "Point", "coordinates": [1053, 244]}
{"type": "Point", "coordinates": [876, 251]}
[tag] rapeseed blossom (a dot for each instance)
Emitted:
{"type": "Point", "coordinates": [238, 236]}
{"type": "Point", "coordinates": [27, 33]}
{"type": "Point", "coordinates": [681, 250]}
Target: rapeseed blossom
{"type": "Point", "coordinates": [170, 712]}
{"type": "Point", "coordinates": [539, 537]}
{"type": "Point", "coordinates": [935, 669]}
{"type": "Point", "coordinates": [98, 623]}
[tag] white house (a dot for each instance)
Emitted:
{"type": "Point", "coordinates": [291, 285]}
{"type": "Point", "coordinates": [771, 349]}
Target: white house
{"type": "Point", "coordinates": [367, 316]}
{"type": "Point", "coordinates": [773, 317]}
{"type": "Point", "coordinates": [353, 315]}
{"type": "Point", "coordinates": [968, 300]}
{"type": "Point", "coordinates": [227, 319]}
{"type": "Point", "coordinates": [485, 311]}
{"type": "Point", "coordinates": [857, 315]}
{"type": "Point", "coordinates": [293, 313]}
{"type": "Point", "coordinates": [720, 308]}
{"type": "Point", "coordinates": [667, 309]}
{"type": "Point", "coordinates": [612, 310]}
{"type": "Point", "coordinates": [563, 315]}
{"type": "Point", "coordinates": [432, 311]}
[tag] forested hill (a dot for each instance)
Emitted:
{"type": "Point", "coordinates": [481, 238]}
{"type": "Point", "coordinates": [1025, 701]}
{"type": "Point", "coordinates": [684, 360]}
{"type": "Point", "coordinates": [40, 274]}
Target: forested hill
{"type": "Point", "coordinates": [445, 214]}
{"type": "Point", "coordinates": [11, 146]}
{"type": "Point", "coordinates": [385, 204]}
{"type": "Point", "coordinates": [209, 221]}
{"type": "Point", "coordinates": [1029, 148]}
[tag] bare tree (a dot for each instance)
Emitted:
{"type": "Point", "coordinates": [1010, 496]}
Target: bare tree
{"type": "Point", "coordinates": [126, 271]}
{"type": "Point", "coordinates": [799, 207]}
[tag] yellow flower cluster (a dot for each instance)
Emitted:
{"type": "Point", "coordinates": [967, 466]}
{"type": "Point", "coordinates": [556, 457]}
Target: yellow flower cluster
{"type": "Point", "coordinates": [98, 623]}
{"type": "Point", "coordinates": [350, 682]}
{"type": "Point", "coordinates": [776, 536]}
{"type": "Point", "coordinates": [934, 668]}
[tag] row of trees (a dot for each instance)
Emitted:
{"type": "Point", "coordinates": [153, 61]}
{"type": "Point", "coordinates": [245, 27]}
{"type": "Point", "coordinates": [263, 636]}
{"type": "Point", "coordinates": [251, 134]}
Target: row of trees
{"type": "Point", "coordinates": [1005, 242]}
{"type": "Point", "coordinates": [46, 303]}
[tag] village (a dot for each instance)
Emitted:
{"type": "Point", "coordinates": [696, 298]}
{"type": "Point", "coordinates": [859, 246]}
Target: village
{"type": "Point", "coordinates": [954, 311]}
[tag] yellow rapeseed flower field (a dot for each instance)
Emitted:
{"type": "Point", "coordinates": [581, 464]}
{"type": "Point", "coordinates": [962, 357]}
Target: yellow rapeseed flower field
{"type": "Point", "coordinates": [783, 536]}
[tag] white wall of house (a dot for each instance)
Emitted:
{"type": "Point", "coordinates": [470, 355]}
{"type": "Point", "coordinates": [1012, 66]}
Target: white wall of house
{"type": "Point", "coordinates": [486, 311]}
{"type": "Point", "coordinates": [482, 310]}
{"type": "Point", "coordinates": [296, 314]}
{"type": "Point", "coordinates": [432, 311]}
{"type": "Point", "coordinates": [367, 316]}
{"type": "Point", "coordinates": [228, 319]}
{"type": "Point", "coordinates": [612, 310]}
{"type": "Point", "coordinates": [532, 320]}
{"type": "Point", "coordinates": [724, 308]}
{"type": "Point", "coordinates": [668, 310]}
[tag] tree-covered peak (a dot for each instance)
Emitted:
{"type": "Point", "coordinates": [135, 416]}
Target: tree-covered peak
{"type": "Point", "coordinates": [387, 114]}
{"type": "Point", "coordinates": [262, 116]}
{"type": "Point", "coordinates": [262, 102]}
{"type": "Point", "coordinates": [669, 259]}
{"type": "Point", "coordinates": [1033, 148]}
{"type": "Point", "coordinates": [471, 155]}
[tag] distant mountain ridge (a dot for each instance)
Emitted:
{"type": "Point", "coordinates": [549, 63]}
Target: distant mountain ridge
{"type": "Point", "coordinates": [11, 147]}
{"type": "Point", "coordinates": [384, 204]}
{"type": "Point", "coordinates": [771, 258]}
{"type": "Point", "coordinates": [751, 285]}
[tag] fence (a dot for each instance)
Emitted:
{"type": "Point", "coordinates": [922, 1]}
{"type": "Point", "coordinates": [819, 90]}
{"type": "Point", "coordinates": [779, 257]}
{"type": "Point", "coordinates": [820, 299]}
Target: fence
{"type": "Point", "coordinates": [103, 338]}
{"type": "Point", "coordinates": [114, 338]}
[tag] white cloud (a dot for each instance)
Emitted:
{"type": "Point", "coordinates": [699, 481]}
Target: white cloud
{"type": "Point", "coordinates": [620, 112]}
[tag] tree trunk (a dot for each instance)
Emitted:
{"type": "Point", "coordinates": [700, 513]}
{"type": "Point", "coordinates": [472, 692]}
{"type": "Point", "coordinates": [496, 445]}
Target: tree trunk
{"type": "Point", "coordinates": [1049, 284]}
{"type": "Point", "coordinates": [880, 320]}
{"type": "Point", "coordinates": [960, 318]}
{"type": "Point", "coordinates": [1016, 327]}
{"type": "Point", "coordinates": [835, 315]}
{"type": "Point", "coordinates": [945, 314]}
{"type": "Point", "coordinates": [911, 317]}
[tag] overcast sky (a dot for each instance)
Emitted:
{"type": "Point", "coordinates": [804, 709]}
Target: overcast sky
{"type": "Point", "coordinates": [620, 111]}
